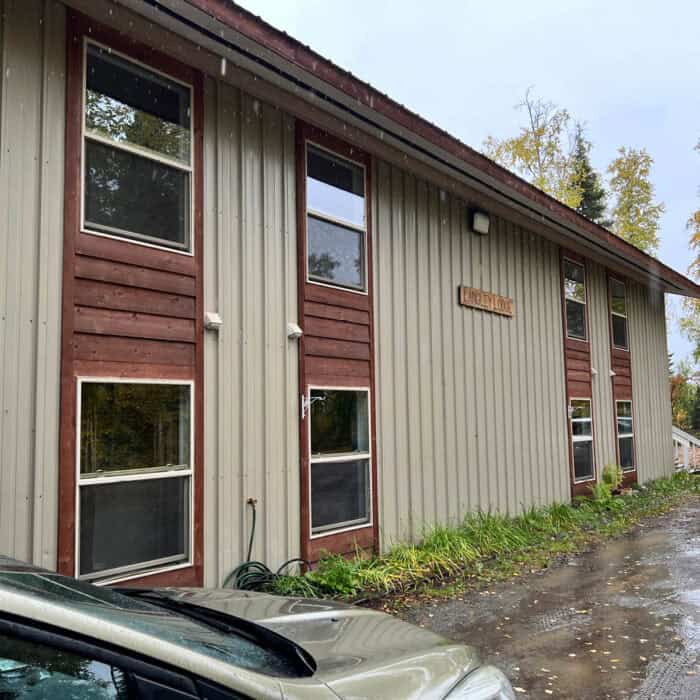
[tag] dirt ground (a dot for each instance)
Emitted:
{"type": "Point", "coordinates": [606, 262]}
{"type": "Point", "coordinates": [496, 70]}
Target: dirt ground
{"type": "Point", "coordinates": [622, 621]}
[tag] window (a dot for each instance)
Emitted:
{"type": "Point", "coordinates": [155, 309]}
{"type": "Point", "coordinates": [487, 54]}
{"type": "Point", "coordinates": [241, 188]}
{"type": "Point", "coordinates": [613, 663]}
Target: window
{"type": "Point", "coordinates": [134, 478]}
{"type": "Point", "coordinates": [582, 439]}
{"type": "Point", "coordinates": [340, 459]}
{"type": "Point", "coordinates": [31, 669]}
{"type": "Point", "coordinates": [137, 169]}
{"type": "Point", "coordinates": [575, 299]}
{"type": "Point", "coordinates": [625, 434]}
{"type": "Point", "coordinates": [618, 311]}
{"type": "Point", "coordinates": [335, 220]}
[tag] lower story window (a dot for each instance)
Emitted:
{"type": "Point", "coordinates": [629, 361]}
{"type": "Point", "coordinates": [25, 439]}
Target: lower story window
{"type": "Point", "coordinates": [625, 434]}
{"type": "Point", "coordinates": [340, 459]}
{"type": "Point", "coordinates": [134, 477]}
{"type": "Point", "coordinates": [582, 439]}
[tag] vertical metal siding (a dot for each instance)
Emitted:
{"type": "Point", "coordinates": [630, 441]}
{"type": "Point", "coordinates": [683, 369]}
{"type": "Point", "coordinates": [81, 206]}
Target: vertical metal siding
{"type": "Point", "coordinates": [471, 407]}
{"type": "Point", "coordinates": [603, 407]}
{"type": "Point", "coordinates": [650, 386]}
{"type": "Point", "coordinates": [251, 368]}
{"type": "Point", "coordinates": [32, 108]}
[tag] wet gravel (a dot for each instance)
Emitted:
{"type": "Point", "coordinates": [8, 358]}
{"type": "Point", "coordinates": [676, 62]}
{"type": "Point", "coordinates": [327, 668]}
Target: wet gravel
{"type": "Point", "coordinates": [622, 621]}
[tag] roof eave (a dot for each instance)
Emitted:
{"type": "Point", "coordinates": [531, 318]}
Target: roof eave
{"type": "Point", "coordinates": [379, 112]}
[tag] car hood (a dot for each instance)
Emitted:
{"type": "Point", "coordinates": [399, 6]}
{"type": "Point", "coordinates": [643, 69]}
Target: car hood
{"type": "Point", "coordinates": [358, 652]}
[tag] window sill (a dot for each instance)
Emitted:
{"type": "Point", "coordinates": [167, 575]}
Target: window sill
{"type": "Point", "coordinates": [147, 575]}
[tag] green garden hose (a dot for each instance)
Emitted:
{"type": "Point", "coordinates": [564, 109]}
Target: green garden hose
{"type": "Point", "coordinates": [254, 575]}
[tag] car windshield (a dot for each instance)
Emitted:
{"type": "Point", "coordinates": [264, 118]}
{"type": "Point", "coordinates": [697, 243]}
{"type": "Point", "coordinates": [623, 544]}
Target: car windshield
{"type": "Point", "coordinates": [165, 624]}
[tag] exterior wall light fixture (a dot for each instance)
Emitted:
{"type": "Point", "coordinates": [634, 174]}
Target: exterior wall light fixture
{"type": "Point", "coordinates": [480, 221]}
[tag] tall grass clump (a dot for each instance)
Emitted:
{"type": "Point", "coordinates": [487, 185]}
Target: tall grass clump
{"type": "Point", "coordinates": [485, 539]}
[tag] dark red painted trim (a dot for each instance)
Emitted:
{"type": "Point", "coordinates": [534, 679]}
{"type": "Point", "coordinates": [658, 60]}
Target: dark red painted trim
{"type": "Point", "coordinates": [341, 324]}
{"type": "Point", "coordinates": [112, 287]}
{"type": "Point", "coordinates": [577, 368]}
{"type": "Point", "coordinates": [301, 56]}
{"type": "Point", "coordinates": [621, 358]}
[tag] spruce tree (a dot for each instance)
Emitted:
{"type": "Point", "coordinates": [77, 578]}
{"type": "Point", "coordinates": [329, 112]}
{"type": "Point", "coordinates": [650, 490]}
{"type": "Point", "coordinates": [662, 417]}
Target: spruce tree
{"type": "Point", "coordinates": [593, 196]}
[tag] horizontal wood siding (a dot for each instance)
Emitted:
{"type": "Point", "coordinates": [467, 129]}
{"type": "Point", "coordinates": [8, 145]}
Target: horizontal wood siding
{"type": "Point", "coordinates": [336, 348]}
{"type": "Point", "coordinates": [603, 406]}
{"type": "Point", "coordinates": [32, 127]}
{"type": "Point", "coordinates": [129, 311]}
{"type": "Point", "coordinates": [471, 406]}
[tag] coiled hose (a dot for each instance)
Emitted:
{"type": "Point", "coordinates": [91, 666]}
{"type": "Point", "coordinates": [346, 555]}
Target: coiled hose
{"type": "Point", "coordinates": [254, 575]}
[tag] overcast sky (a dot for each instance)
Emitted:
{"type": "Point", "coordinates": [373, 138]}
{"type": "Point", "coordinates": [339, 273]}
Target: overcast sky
{"type": "Point", "coordinates": [629, 69]}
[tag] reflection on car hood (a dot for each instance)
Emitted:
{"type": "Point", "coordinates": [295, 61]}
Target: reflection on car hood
{"type": "Point", "coordinates": [359, 652]}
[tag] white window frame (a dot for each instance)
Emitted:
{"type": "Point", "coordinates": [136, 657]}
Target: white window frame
{"type": "Point", "coordinates": [619, 315]}
{"type": "Point", "coordinates": [625, 435]}
{"type": "Point", "coordinates": [85, 134]}
{"type": "Point", "coordinates": [332, 220]}
{"type": "Point", "coordinates": [147, 568]}
{"type": "Point", "coordinates": [344, 457]}
{"type": "Point", "coordinates": [582, 438]}
{"type": "Point", "coordinates": [584, 303]}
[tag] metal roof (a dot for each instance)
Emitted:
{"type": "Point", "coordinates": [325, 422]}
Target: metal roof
{"type": "Point", "coordinates": [307, 69]}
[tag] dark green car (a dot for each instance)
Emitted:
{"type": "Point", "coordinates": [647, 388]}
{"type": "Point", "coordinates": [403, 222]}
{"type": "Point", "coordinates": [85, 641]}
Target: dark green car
{"type": "Point", "coordinates": [63, 638]}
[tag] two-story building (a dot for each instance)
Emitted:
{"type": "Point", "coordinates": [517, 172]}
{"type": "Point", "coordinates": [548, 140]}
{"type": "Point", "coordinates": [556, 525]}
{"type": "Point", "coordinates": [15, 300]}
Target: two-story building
{"type": "Point", "coordinates": [230, 270]}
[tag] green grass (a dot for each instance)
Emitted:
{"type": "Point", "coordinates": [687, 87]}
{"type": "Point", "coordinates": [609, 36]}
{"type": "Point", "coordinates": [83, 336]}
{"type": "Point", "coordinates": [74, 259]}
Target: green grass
{"type": "Point", "coordinates": [488, 546]}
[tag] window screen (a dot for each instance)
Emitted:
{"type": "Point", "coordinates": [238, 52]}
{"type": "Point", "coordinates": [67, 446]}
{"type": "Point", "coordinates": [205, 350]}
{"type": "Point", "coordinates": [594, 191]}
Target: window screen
{"type": "Point", "coordinates": [340, 459]}
{"type": "Point", "coordinates": [135, 477]}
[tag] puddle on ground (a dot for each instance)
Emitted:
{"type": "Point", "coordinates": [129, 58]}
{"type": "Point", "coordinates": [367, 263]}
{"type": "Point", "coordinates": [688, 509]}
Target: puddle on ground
{"type": "Point", "coordinates": [622, 621]}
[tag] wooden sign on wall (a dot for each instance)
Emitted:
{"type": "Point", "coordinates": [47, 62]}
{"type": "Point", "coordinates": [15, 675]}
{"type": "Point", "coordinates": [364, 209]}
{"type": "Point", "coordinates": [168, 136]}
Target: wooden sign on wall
{"type": "Point", "coordinates": [486, 301]}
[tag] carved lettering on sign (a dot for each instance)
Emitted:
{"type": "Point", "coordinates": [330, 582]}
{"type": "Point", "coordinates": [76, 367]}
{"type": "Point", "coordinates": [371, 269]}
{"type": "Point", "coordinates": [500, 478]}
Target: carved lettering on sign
{"type": "Point", "coordinates": [486, 301]}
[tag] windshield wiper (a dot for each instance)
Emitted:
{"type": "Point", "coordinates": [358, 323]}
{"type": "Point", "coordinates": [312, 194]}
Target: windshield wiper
{"type": "Point", "coordinates": [229, 624]}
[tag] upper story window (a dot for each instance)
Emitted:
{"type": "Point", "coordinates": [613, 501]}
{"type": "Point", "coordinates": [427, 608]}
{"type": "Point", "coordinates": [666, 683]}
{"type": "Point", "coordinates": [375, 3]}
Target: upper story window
{"type": "Point", "coordinates": [575, 300]}
{"type": "Point", "coordinates": [336, 220]}
{"type": "Point", "coordinates": [618, 311]}
{"type": "Point", "coordinates": [137, 134]}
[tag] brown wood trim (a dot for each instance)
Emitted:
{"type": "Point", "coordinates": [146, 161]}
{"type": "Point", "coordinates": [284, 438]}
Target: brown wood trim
{"type": "Point", "coordinates": [113, 289]}
{"type": "Point", "coordinates": [337, 346]}
{"type": "Point", "coordinates": [112, 249]}
{"type": "Point", "coordinates": [198, 183]}
{"type": "Point", "coordinates": [128, 275]}
{"type": "Point", "coordinates": [119, 298]}
{"type": "Point", "coordinates": [71, 223]}
{"type": "Point", "coordinates": [578, 377]}
{"type": "Point", "coordinates": [135, 325]}
{"type": "Point", "coordinates": [341, 543]}
{"type": "Point", "coordinates": [582, 488]}
{"type": "Point", "coordinates": [123, 370]}
{"type": "Point", "coordinates": [621, 383]}
{"type": "Point", "coordinates": [187, 576]}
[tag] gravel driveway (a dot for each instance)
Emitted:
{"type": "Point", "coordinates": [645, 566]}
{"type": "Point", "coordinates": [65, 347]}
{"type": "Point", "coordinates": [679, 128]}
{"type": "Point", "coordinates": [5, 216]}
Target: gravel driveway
{"type": "Point", "coordinates": [622, 621]}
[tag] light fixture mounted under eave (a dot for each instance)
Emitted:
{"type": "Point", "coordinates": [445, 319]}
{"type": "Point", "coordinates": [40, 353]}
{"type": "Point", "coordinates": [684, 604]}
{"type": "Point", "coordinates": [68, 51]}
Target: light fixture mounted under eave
{"type": "Point", "coordinates": [480, 221]}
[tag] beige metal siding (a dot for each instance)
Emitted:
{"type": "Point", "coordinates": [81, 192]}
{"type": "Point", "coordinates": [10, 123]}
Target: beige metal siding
{"type": "Point", "coordinates": [32, 64]}
{"type": "Point", "coordinates": [603, 411]}
{"type": "Point", "coordinates": [650, 386]}
{"type": "Point", "coordinates": [471, 407]}
{"type": "Point", "coordinates": [251, 412]}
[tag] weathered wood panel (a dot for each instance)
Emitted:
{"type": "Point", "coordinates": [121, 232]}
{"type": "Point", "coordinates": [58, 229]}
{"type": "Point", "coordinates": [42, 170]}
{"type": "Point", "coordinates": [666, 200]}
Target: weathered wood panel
{"type": "Point", "coordinates": [129, 310]}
